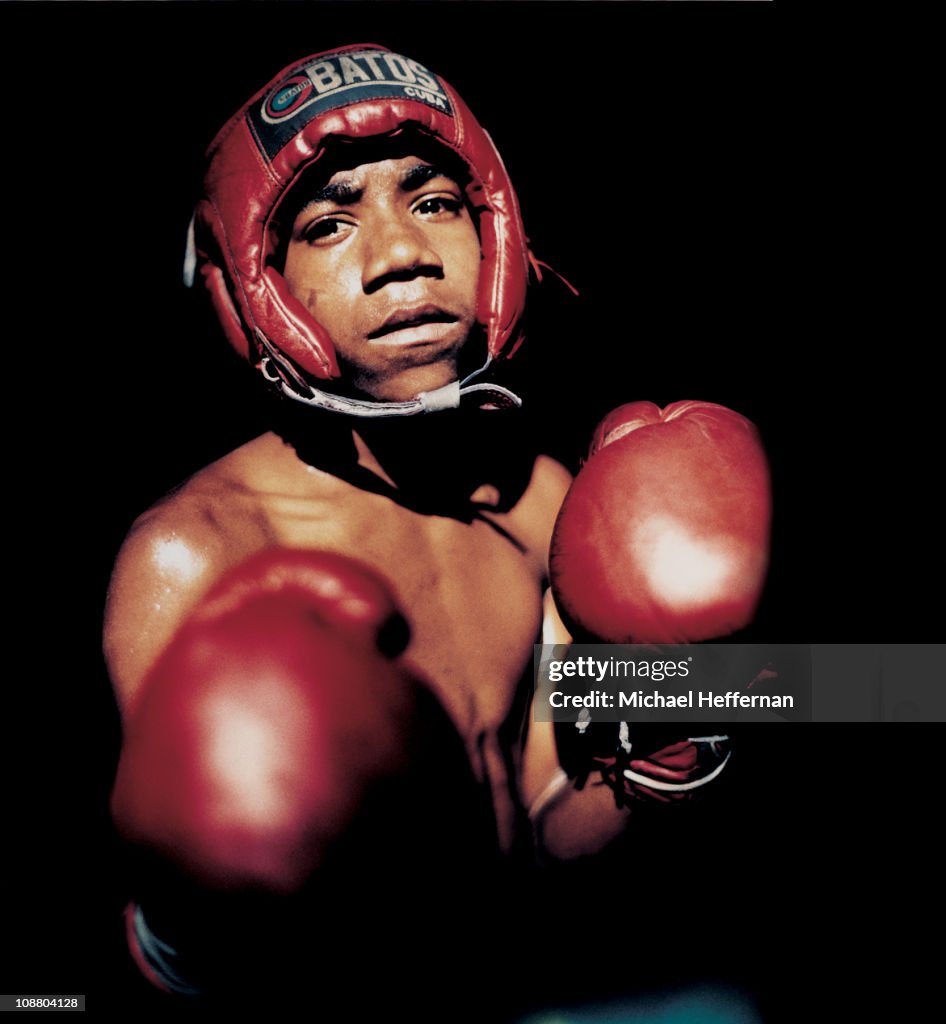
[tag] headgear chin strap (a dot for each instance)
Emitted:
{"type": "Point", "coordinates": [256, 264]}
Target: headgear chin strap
{"type": "Point", "coordinates": [355, 92]}
{"type": "Point", "coordinates": [281, 373]}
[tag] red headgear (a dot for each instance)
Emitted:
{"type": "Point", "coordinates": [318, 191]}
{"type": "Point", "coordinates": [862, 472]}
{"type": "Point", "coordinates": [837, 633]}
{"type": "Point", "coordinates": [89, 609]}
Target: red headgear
{"type": "Point", "coordinates": [355, 92]}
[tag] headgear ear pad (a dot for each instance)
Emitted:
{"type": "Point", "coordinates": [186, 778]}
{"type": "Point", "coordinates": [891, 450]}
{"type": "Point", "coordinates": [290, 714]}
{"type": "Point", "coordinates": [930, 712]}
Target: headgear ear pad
{"type": "Point", "coordinates": [353, 93]}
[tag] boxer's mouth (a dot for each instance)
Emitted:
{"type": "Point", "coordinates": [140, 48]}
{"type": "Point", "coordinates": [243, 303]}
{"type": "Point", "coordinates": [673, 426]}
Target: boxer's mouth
{"type": "Point", "coordinates": [415, 316]}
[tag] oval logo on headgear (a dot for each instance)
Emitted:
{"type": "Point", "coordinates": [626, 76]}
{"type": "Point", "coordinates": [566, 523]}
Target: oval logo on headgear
{"type": "Point", "coordinates": [287, 99]}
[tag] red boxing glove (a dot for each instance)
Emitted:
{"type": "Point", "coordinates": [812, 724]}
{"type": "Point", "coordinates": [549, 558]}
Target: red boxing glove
{"type": "Point", "coordinates": [263, 721]}
{"type": "Point", "coordinates": [664, 535]}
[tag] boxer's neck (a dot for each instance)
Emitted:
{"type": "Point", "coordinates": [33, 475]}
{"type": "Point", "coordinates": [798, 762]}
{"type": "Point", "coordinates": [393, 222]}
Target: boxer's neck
{"type": "Point", "coordinates": [449, 463]}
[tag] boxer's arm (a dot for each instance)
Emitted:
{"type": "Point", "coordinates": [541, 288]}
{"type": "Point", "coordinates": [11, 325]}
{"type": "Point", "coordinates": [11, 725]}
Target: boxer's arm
{"type": "Point", "coordinates": [278, 703]}
{"type": "Point", "coordinates": [567, 822]}
{"type": "Point", "coordinates": [167, 562]}
{"type": "Point", "coordinates": [543, 781]}
{"type": "Point", "coordinates": [662, 538]}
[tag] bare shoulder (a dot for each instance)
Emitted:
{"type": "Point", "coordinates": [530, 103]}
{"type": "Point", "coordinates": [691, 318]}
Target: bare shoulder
{"type": "Point", "coordinates": [171, 557]}
{"type": "Point", "coordinates": [550, 482]}
{"type": "Point", "coordinates": [538, 508]}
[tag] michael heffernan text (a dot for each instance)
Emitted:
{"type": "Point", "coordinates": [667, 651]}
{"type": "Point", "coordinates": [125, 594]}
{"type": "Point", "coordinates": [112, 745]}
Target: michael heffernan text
{"type": "Point", "coordinates": [690, 699]}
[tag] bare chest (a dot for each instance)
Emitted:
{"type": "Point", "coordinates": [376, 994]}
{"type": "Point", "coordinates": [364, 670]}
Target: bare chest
{"type": "Point", "coordinates": [471, 593]}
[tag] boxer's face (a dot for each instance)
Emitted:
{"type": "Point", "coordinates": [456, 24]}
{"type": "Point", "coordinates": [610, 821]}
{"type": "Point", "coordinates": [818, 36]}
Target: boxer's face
{"type": "Point", "coordinates": [386, 257]}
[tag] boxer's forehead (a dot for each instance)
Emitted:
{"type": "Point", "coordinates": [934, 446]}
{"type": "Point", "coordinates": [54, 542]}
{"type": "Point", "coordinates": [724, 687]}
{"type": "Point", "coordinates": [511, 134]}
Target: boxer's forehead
{"type": "Point", "coordinates": [342, 160]}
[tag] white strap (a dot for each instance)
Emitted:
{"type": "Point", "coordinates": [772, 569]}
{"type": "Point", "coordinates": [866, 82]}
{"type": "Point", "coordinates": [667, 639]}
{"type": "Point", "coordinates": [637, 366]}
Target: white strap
{"type": "Point", "coordinates": [675, 787]}
{"type": "Point", "coordinates": [163, 959]}
{"type": "Point", "coordinates": [190, 256]}
{"type": "Point", "coordinates": [276, 370]}
{"type": "Point", "coordinates": [552, 791]}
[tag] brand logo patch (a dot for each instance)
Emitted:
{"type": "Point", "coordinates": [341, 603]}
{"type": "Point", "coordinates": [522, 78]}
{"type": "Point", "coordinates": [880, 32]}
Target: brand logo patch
{"type": "Point", "coordinates": [287, 99]}
{"type": "Point", "coordinates": [339, 80]}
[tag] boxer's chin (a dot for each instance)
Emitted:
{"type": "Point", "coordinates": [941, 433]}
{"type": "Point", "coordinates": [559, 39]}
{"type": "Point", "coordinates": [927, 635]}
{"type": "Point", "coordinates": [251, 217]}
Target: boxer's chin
{"type": "Point", "coordinates": [404, 382]}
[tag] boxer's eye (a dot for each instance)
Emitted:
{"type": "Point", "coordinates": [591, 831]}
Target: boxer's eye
{"type": "Point", "coordinates": [326, 229]}
{"type": "Point", "coordinates": [439, 205]}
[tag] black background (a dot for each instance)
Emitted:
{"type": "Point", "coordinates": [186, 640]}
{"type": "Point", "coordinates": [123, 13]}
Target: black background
{"type": "Point", "coordinates": [672, 161]}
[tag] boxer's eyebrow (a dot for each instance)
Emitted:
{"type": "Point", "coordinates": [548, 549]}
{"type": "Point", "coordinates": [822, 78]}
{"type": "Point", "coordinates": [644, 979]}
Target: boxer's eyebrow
{"type": "Point", "coordinates": [418, 176]}
{"type": "Point", "coordinates": [342, 193]}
